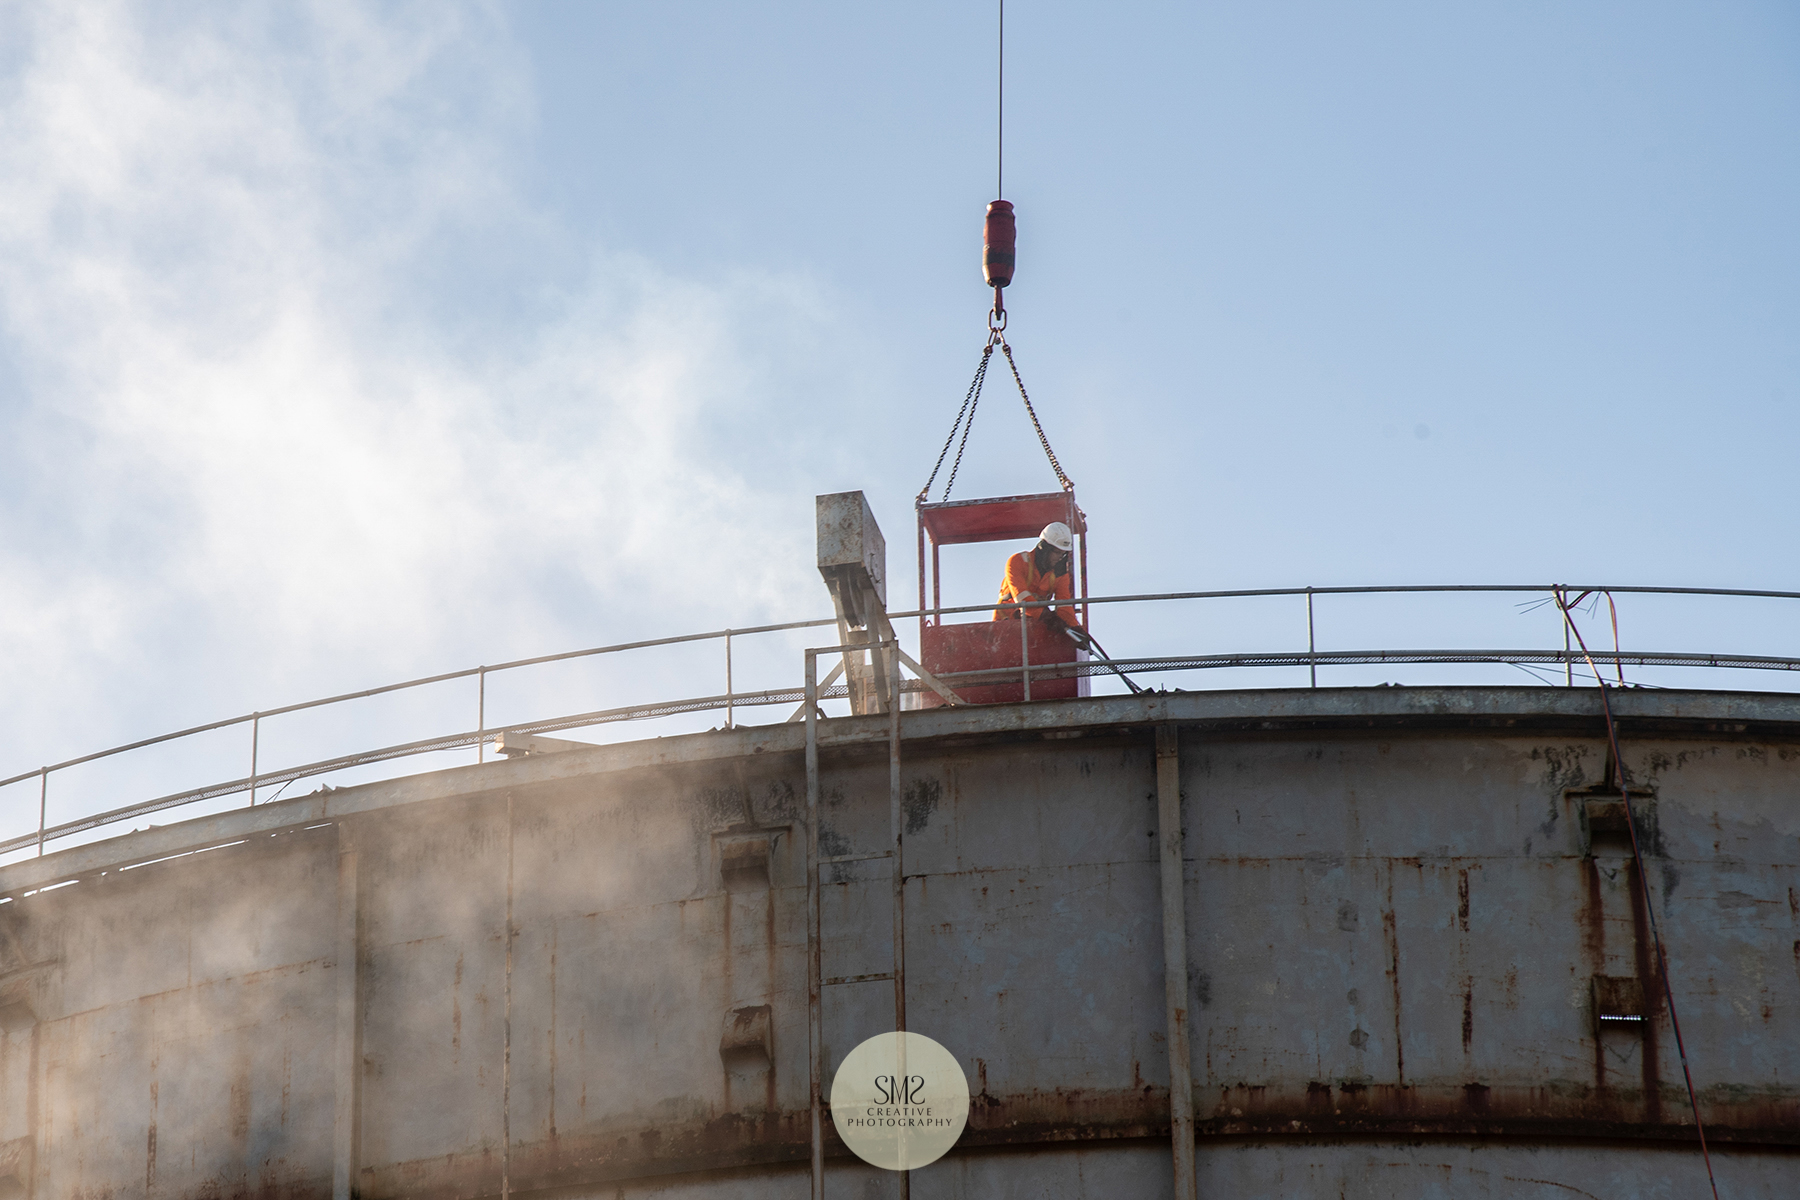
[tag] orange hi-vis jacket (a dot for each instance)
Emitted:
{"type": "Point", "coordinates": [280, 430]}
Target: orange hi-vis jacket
{"type": "Point", "coordinates": [1024, 582]}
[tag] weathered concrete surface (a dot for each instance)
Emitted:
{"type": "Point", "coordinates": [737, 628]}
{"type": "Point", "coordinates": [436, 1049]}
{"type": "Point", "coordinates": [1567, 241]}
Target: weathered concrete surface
{"type": "Point", "coordinates": [1266, 1171]}
{"type": "Point", "coordinates": [1395, 910]}
{"type": "Point", "coordinates": [178, 1048]}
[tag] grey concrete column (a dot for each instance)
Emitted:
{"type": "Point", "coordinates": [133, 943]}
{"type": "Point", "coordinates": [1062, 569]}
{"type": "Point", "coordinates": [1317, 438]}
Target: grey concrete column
{"type": "Point", "coordinates": [1174, 929]}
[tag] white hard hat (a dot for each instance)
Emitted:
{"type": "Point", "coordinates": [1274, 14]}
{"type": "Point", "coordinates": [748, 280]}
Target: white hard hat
{"type": "Point", "coordinates": [1058, 535]}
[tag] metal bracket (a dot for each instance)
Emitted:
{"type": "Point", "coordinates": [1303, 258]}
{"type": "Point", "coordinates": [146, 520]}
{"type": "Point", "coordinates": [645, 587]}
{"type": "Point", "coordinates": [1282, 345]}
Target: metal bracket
{"type": "Point", "coordinates": [513, 744]}
{"type": "Point", "coordinates": [927, 678]}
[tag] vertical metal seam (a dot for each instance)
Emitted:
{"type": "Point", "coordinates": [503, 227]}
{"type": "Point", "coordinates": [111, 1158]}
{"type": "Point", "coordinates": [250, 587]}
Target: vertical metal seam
{"type": "Point", "coordinates": [1174, 928]}
{"type": "Point", "coordinates": [896, 819]}
{"type": "Point", "coordinates": [346, 1117]}
{"type": "Point", "coordinates": [506, 1023]}
{"type": "Point", "coordinates": [814, 1030]}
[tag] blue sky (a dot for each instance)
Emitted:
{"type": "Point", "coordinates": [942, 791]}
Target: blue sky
{"type": "Point", "coordinates": [341, 343]}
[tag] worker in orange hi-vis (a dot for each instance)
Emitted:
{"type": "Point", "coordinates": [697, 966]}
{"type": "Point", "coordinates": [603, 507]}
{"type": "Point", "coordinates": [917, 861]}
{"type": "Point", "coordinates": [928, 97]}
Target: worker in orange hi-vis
{"type": "Point", "coordinates": [1041, 573]}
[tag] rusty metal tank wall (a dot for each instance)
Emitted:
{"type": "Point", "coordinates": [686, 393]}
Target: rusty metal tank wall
{"type": "Point", "coordinates": [1396, 904]}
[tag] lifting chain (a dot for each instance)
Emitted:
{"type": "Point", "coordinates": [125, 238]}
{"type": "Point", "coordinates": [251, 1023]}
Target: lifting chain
{"type": "Point", "coordinates": [965, 416]}
{"type": "Point", "coordinates": [970, 401]}
{"type": "Point", "coordinates": [1067, 483]}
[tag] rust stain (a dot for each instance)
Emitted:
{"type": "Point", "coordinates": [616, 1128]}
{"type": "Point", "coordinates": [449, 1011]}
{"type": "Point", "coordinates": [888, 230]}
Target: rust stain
{"type": "Point", "coordinates": [456, 1010]}
{"type": "Point", "coordinates": [1652, 983]}
{"type": "Point", "coordinates": [551, 1036]}
{"type": "Point", "coordinates": [1468, 1021]}
{"type": "Point", "coordinates": [770, 1103]}
{"type": "Point", "coordinates": [1525, 1112]}
{"type": "Point", "coordinates": [150, 1139]}
{"type": "Point", "coordinates": [1552, 1183]}
{"type": "Point", "coordinates": [1390, 931]}
{"type": "Point", "coordinates": [240, 1100]}
{"type": "Point", "coordinates": [620, 1150]}
{"type": "Point", "coordinates": [769, 940]}
{"type": "Point", "coordinates": [1593, 949]}
{"type": "Point", "coordinates": [726, 990]}
{"type": "Point", "coordinates": [725, 975]}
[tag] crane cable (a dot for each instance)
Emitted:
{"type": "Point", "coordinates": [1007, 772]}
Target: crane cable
{"type": "Point", "coordinates": [997, 265]}
{"type": "Point", "coordinates": [1637, 855]}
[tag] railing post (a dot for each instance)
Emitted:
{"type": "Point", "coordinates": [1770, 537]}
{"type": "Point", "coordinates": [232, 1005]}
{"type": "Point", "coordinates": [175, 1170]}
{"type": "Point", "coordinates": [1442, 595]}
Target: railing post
{"type": "Point", "coordinates": [480, 715]}
{"type": "Point", "coordinates": [1024, 653]}
{"type": "Point", "coordinates": [255, 735]}
{"type": "Point", "coordinates": [1568, 652]}
{"type": "Point", "coordinates": [43, 799]}
{"type": "Point", "coordinates": [728, 679]}
{"type": "Point", "coordinates": [1312, 647]}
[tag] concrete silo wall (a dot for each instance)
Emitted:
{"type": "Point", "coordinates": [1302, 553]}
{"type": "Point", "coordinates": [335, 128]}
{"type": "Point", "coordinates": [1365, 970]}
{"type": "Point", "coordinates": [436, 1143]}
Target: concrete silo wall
{"type": "Point", "coordinates": [1396, 904]}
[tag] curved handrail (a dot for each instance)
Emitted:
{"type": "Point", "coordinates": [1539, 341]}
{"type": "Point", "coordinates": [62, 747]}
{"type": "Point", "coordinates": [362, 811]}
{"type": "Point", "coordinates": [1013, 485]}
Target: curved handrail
{"type": "Point", "coordinates": [729, 699]}
{"type": "Point", "coordinates": [466, 673]}
{"type": "Point", "coordinates": [947, 610]}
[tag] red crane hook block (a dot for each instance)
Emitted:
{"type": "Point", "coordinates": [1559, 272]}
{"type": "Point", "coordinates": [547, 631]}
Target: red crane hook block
{"type": "Point", "coordinates": [997, 240]}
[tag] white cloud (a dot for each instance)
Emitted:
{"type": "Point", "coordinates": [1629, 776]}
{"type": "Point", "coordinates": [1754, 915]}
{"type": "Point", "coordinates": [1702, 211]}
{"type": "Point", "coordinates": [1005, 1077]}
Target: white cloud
{"type": "Point", "coordinates": [254, 460]}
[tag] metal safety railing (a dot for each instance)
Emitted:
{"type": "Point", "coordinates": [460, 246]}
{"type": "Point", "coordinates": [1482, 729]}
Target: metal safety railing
{"type": "Point", "coordinates": [731, 700]}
